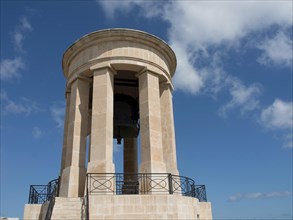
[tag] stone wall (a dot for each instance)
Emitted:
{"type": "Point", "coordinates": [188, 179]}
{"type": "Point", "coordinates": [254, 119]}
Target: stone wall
{"type": "Point", "coordinates": [35, 211]}
{"type": "Point", "coordinates": [124, 207]}
{"type": "Point", "coordinates": [148, 207]}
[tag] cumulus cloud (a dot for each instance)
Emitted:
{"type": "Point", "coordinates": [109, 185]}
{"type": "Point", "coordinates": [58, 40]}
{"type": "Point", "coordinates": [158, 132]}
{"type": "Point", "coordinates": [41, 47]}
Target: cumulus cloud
{"type": "Point", "coordinates": [146, 8]}
{"type": "Point", "coordinates": [20, 33]}
{"type": "Point", "coordinates": [277, 50]}
{"type": "Point", "coordinates": [214, 23]}
{"type": "Point", "coordinates": [23, 106]}
{"type": "Point", "coordinates": [10, 68]}
{"type": "Point", "coordinates": [205, 26]}
{"type": "Point", "coordinates": [246, 98]}
{"type": "Point", "coordinates": [288, 140]}
{"type": "Point", "coordinates": [37, 132]}
{"type": "Point", "coordinates": [257, 195]}
{"type": "Point", "coordinates": [58, 113]}
{"type": "Point", "coordinates": [278, 116]}
{"type": "Point", "coordinates": [200, 29]}
{"type": "Point", "coordinates": [111, 7]}
{"type": "Point", "coordinates": [191, 80]}
{"type": "Point", "coordinates": [203, 33]}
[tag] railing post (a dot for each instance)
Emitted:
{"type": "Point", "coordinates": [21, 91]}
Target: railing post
{"type": "Point", "coordinates": [35, 196]}
{"type": "Point", "coordinates": [30, 196]}
{"type": "Point", "coordinates": [205, 193]}
{"type": "Point", "coordinates": [193, 190]}
{"type": "Point", "coordinates": [87, 198]}
{"type": "Point", "coordinates": [141, 183]}
{"type": "Point", "coordinates": [170, 180]}
{"type": "Point", "coordinates": [49, 191]}
{"type": "Point", "coordinates": [58, 186]}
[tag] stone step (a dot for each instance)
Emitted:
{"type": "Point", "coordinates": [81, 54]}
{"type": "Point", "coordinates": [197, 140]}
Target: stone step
{"type": "Point", "coordinates": [67, 208]}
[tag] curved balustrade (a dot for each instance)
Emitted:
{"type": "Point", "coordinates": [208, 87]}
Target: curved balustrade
{"type": "Point", "coordinates": [40, 194]}
{"type": "Point", "coordinates": [123, 184]}
{"type": "Point", "coordinates": [144, 183]}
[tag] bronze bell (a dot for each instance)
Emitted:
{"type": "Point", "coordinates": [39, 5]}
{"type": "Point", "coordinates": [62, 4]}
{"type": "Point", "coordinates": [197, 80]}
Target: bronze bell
{"type": "Point", "coordinates": [126, 117]}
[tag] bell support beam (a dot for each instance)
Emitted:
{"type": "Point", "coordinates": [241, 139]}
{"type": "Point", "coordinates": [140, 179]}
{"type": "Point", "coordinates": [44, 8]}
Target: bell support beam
{"type": "Point", "coordinates": [73, 175]}
{"type": "Point", "coordinates": [101, 143]}
{"type": "Point", "coordinates": [130, 158]}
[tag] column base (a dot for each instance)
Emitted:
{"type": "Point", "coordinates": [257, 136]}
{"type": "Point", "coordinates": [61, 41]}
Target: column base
{"type": "Point", "coordinates": [72, 182]}
{"type": "Point", "coordinates": [152, 167]}
{"type": "Point", "coordinates": [100, 167]}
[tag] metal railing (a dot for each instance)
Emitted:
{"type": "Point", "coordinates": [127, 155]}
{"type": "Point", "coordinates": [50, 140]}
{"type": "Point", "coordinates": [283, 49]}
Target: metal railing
{"type": "Point", "coordinates": [144, 183]}
{"type": "Point", "coordinates": [85, 204]}
{"type": "Point", "coordinates": [200, 193]}
{"type": "Point", "coordinates": [123, 183]}
{"type": "Point", "coordinates": [39, 194]}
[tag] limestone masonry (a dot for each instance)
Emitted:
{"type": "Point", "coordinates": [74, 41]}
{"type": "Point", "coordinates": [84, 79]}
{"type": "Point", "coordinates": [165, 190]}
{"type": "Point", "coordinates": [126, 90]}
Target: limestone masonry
{"type": "Point", "coordinates": [119, 86]}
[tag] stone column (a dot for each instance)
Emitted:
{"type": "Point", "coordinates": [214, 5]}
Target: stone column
{"type": "Point", "coordinates": [130, 158]}
{"type": "Point", "coordinates": [101, 148]}
{"type": "Point", "coordinates": [73, 175]}
{"type": "Point", "coordinates": [168, 130]}
{"type": "Point", "coordinates": [152, 160]}
{"type": "Point", "coordinates": [65, 132]}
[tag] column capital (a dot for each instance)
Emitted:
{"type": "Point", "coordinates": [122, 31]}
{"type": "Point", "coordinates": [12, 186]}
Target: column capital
{"type": "Point", "coordinates": [146, 70]}
{"type": "Point", "coordinates": [84, 78]}
{"type": "Point", "coordinates": [167, 84]}
{"type": "Point", "coordinates": [109, 67]}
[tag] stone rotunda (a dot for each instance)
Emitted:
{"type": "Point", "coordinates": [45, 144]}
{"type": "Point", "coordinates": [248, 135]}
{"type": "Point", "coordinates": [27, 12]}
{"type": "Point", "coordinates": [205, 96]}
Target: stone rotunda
{"type": "Point", "coordinates": [119, 86]}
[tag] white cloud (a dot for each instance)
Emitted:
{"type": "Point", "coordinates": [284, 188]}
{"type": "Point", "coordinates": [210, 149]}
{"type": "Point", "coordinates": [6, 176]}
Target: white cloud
{"type": "Point", "coordinates": [207, 23]}
{"type": "Point", "coordinates": [203, 33]}
{"type": "Point", "coordinates": [288, 140]}
{"type": "Point", "coordinates": [145, 8]}
{"type": "Point", "coordinates": [199, 28]}
{"type": "Point", "coordinates": [277, 50]}
{"type": "Point", "coordinates": [23, 106]}
{"type": "Point", "coordinates": [203, 25]}
{"type": "Point", "coordinates": [10, 68]}
{"type": "Point", "coordinates": [242, 97]}
{"type": "Point", "coordinates": [37, 132]}
{"type": "Point", "coordinates": [278, 116]}
{"type": "Point", "coordinates": [20, 33]}
{"type": "Point", "coordinates": [191, 79]}
{"type": "Point", "coordinates": [258, 195]}
{"type": "Point", "coordinates": [58, 113]}
{"type": "Point", "coordinates": [111, 6]}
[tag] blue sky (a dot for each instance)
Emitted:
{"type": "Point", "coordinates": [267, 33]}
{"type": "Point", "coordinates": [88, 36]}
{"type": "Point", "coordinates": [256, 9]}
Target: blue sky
{"type": "Point", "coordinates": [232, 98]}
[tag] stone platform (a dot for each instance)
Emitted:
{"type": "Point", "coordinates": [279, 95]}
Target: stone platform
{"type": "Point", "coordinates": [148, 207]}
{"type": "Point", "coordinates": [124, 207]}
